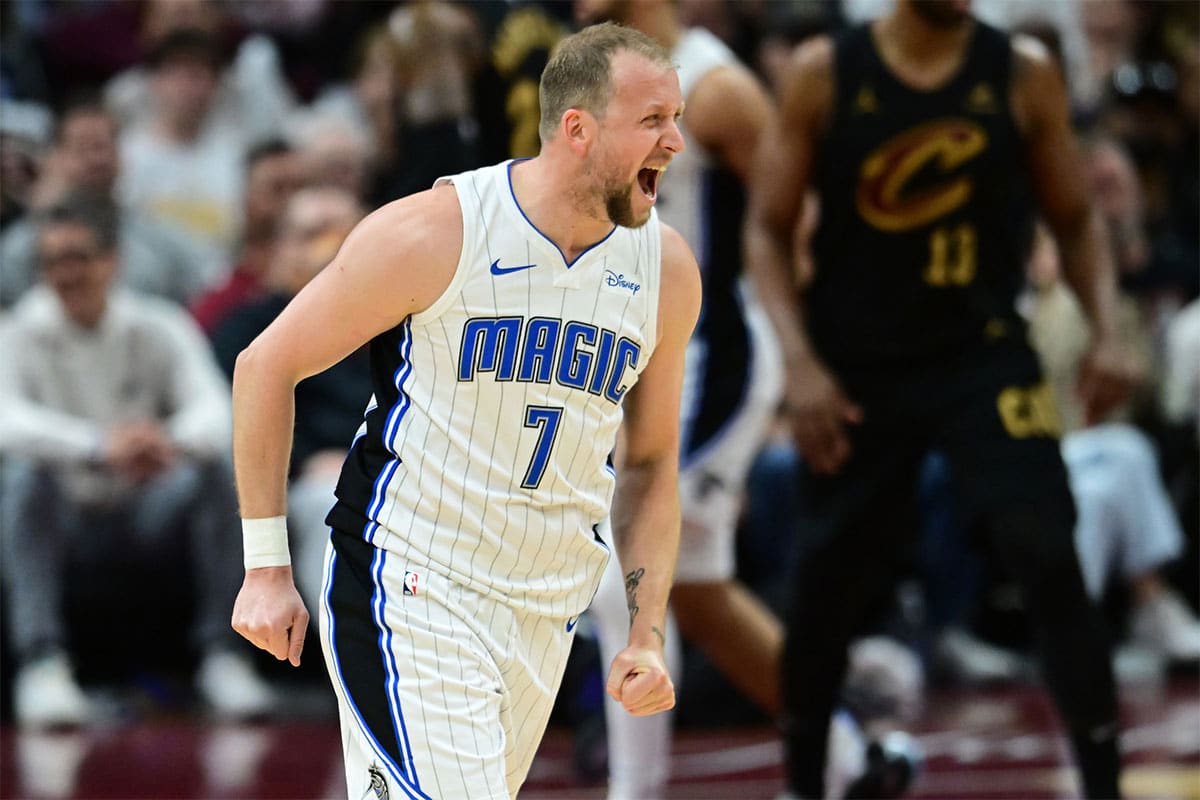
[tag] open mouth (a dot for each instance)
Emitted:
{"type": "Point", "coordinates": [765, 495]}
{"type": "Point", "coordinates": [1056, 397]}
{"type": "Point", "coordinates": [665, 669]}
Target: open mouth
{"type": "Point", "coordinates": [648, 181]}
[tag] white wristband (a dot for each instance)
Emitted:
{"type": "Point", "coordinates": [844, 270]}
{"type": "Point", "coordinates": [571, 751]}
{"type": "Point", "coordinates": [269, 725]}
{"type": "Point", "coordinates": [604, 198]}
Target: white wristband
{"type": "Point", "coordinates": [265, 543]}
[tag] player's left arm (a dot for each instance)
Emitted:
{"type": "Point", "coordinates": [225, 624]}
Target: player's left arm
{"type": "Point", "coordinates": [646, 514]}
{"type": "Point", "coordinates": [1056, 169]}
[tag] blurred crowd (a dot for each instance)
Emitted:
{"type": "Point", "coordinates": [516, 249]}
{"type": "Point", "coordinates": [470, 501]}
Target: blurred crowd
{"type": "Point", "coordinates": [173, 171]}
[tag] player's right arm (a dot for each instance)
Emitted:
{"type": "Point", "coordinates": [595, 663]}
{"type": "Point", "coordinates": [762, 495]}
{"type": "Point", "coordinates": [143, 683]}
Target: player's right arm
{"type": "Point", "coordinates": [780, 178]}
{"type": "Point", "coordinates": [396, 262]}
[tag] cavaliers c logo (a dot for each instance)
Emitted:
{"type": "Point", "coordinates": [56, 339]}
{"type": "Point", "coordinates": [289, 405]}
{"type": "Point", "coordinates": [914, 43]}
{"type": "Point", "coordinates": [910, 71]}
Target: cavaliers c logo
{"type": "Point", "coordinates": [945, 144]}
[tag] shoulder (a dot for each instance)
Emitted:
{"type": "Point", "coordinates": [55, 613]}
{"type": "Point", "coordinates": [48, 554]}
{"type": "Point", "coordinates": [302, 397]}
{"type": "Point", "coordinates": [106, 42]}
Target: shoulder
{"type": "Point", "coordinates": [677, 257]}
{"type": "Point", "coordinates": [807, 93]}
{"type": "Point", "coordinates": [432, 218]}
{"type": "Point", "coordinates": [814, 58]}
{"type": "Point", "coordinates": [36, 311]}
{"type": "Point", "coordinates": [411, 246]}
{"type": "Point", "coordinates": [1038, 87]}
{"type": "Point", "coordinates": [724, 83]}
{"type": "Point", "coordinates": [680, 294]}
{"type": "Point", "coordinates": [1032, 60]}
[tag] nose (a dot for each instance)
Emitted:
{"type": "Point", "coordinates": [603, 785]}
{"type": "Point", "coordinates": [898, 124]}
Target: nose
{"type": "Point", "coordinates": [672, 140]}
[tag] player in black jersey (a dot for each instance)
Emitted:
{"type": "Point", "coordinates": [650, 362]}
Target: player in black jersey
{"type": "Point", "coordinates": [927, 136]}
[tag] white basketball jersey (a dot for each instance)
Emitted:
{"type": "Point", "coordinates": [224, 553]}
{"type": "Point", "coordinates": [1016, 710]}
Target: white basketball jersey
{"type": "Point", "coordinates": [485, 457]}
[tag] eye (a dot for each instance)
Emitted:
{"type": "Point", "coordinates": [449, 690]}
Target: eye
{"type": "Point", "coordinates": [652, 119]}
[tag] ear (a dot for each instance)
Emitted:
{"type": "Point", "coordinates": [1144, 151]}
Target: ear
{"type": "Point", "coordinates": [579, 129]}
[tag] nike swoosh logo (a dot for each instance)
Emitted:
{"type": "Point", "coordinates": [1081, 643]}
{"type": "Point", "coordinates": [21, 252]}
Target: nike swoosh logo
{"type": "Point", "coordinates": [571, 623]}
{"type": "Point", "coordinates": [499, 270]}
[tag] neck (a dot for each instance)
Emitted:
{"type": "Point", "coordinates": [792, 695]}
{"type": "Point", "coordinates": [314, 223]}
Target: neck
{"type": "Point", "coordinates": [656, 20]}
{"type": "Point", "coordinates": [920, 41]}
{"type": "Point", "coordinates": [89, 319]}
{"type": "Point", "coordinates": [547, 189]}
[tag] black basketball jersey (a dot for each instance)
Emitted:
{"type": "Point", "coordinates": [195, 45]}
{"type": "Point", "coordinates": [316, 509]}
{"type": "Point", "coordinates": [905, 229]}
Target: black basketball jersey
{"type": "Point", "coordinates": [924, 208]}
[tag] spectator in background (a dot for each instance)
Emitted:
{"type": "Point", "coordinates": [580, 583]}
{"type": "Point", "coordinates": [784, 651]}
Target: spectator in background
{"type": "Point", "coordinates": [329, 405]}
{"type": "Point", "coordinates": [183, 165]}
{"type": "Point", "coordinates": [1181, 389]}
{"type": "Point", "coordinates": [114, 428]}
{"type": "Point", "coordinates": [84, 162]}
{"type": "Point", "coordinates": [252, 94]}
{"type": "Point", "coordinates": [273, 174]}
{"type": "Point", "coordinates": [439, 49]}
{"type": "Point", "coordinates": [371, 102]}
{"type": "Point", "coordinates": [1126, 523]}
{"type": "Point", "coordinates": [335, 152]}
{"type": "Point", "coordinates": [24, 135]}
{"type": "Point", "coordinates": [1113, 181]}
{"type": "Point", "coordinates": [1111, 30]}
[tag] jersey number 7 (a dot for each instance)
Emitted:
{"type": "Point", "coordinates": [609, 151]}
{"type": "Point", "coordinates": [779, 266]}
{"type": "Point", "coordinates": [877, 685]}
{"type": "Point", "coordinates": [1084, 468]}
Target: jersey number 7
{"type": "Point", "coordinates": [545, 419]}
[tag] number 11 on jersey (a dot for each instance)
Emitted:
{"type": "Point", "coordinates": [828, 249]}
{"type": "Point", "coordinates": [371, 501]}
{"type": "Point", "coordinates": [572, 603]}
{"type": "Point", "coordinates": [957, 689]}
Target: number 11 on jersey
{"type": "Point", "coordinates": [545, 419]}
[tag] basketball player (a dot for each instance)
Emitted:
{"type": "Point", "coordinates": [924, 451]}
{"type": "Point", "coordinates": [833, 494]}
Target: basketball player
{"type": "Point", "coordinates": [920, 132]}
{"type": "Point", "coordinates": [732, 384]}
{"type": "Point", "coordinates": [509, 311]}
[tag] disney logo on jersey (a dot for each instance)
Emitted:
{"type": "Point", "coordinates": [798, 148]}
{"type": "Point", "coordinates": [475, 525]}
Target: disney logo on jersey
{"type": "Point", "coordinates": [577, 355]}
{"type": "Point", "coordinates": [619, 281]}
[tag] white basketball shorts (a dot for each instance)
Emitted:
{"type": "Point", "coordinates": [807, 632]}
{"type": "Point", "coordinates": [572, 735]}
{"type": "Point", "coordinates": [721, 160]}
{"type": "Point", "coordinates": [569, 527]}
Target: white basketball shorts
{"type": "Point", "coordinates": [712, 479]}
{"type": "Point", "coordinates": [442, 692]}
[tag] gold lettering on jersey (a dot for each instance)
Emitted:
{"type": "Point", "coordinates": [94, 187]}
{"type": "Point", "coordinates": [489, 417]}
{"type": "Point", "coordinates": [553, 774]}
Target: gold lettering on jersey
{"type": "Point", "coordinates": [885, 198]}
{"type": "Point", "coordinates": [865, 102]}
{"type": "Point", "coordinates": [982, 100]}
{"type": "Point", "coordinates": [1029, 411]}
{"type": "Point", "coordinates": [952, 256]}
{"type": "Point", "coordinates": [522, 34]}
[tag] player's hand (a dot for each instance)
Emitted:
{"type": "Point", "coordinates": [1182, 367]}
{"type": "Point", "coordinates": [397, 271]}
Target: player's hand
{"type": "Point", "coordinates": [819, 412]}
{"type": "Point", "coordinates": [639, 681]}
{"type": "Point", "coordinates": [269, 613]}
{"type": "Point", "coordinates": [139, 450]}
{"type": "Point", "coordinates": [1107, 374]}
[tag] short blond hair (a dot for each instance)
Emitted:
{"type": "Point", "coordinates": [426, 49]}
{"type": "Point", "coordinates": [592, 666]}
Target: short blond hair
{"type": "Point", "coordinates": [579, 73]}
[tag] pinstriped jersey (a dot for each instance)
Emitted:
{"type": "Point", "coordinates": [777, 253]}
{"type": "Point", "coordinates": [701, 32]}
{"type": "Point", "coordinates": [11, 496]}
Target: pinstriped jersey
{"type": "Point", "coordinates": [484, 453]}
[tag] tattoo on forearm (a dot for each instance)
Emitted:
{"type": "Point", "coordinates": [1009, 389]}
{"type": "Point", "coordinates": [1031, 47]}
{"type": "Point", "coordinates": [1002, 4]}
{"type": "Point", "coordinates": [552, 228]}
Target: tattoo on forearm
{"type": "Point", "coordinates": [661, 639]}
{"type": "Point", "coordinates": [632, 579]}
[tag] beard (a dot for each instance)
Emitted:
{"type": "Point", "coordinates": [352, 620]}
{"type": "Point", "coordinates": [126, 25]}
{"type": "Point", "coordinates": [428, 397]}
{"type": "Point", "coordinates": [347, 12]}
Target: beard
{"type": "Point", "coordinates": [940, 13]}
{"type": "Point", "coordinates": [618, 203]}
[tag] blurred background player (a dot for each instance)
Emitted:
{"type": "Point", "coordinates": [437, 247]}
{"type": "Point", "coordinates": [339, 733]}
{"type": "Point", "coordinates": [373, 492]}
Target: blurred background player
{"type": "Point", "coordinates": [732, 386]}
{"type": "Point", "coordinates": [915, 132]}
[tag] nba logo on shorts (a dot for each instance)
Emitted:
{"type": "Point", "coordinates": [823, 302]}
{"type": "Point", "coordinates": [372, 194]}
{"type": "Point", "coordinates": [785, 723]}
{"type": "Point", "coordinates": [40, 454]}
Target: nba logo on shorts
{"type": "Point", "coordinates": [410, 583]}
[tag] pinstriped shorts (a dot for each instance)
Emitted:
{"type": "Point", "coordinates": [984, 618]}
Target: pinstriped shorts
{"type": "Point", "coordinates": [442, 692]}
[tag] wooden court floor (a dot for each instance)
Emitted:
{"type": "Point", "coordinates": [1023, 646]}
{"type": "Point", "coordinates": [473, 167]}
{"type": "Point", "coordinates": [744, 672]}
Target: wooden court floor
{"type": "Point", "coordinates": [994, 744]}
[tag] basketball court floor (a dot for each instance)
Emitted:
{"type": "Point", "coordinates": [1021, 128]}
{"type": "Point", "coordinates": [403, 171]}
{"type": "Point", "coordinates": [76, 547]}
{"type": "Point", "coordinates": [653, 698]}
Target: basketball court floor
{"type": "Point", "coordinates": [978, 744]}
